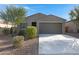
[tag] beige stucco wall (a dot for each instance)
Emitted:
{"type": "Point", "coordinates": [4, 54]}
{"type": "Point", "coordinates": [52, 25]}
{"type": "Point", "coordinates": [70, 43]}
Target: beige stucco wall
{"type": "Point", "coordinates": [71, 27]}
{"type": "Point", "coordinates": [38, 18]}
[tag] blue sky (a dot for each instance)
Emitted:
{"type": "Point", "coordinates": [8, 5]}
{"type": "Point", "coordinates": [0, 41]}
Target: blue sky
{"type": "Point", "coordinates": [61, 10]}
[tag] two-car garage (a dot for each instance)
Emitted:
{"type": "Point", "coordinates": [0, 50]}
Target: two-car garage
{"type": "Point", "coordinates": [50, 28]}
{"type": "Point", "coordinates": [46, 24]}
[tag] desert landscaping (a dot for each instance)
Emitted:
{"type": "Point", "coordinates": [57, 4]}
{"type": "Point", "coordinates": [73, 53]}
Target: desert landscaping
{"type": "Point", "coordinates": [39, 33]}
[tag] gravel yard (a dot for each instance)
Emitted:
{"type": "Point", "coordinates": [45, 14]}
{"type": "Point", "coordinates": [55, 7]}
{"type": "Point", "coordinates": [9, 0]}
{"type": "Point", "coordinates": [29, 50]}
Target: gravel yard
{"type": "Point", "coordinates": [46, 44]}
{"type": "Point", "coordinates": [30, 47]}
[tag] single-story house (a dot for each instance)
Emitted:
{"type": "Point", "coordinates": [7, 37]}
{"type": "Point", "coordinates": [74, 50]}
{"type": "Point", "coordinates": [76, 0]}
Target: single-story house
{"type": "Point", "coordinates": [46, 24]}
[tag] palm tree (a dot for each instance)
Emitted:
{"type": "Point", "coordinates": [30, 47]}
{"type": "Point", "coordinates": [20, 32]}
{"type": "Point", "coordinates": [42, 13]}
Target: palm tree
{"type": "Point", "coordinates": [74, 16]}
{"type": "Point", "coordinates": [4, 16]}
{"type": "Point", "coordinates": [13, 14]}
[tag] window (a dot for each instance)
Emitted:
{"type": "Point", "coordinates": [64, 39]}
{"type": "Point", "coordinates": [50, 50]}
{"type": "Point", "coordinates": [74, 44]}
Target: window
{"type": "Point", "coordinates": [33, 23]}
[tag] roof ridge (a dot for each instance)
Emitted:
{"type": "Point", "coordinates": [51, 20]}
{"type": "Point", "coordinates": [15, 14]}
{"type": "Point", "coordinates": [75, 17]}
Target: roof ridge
{"type": "Point", "coordinates": [57, 16]}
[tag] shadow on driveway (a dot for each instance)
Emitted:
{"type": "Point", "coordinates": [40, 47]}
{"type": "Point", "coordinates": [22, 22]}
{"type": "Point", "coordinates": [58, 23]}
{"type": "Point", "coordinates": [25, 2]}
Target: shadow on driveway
{"type": "Point", "coordinates": [76, 35]}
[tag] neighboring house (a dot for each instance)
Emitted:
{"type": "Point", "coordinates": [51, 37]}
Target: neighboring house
{"type": "Point", "coordinates": [3, 24]}
{"type": "Point", "coordinates": [46, 24]}
{"type": "Point", "coordinates": [70, 27]}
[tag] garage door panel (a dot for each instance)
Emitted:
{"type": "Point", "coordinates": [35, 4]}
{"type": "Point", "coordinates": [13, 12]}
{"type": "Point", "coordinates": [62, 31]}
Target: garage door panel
{"type": "Point", "coordinates": [50, 28]}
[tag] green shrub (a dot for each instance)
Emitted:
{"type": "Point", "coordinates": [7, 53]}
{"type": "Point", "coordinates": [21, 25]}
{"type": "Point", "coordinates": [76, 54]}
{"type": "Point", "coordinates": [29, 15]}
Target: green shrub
{"type": "Point", "coordinates": [13, 31]}
{"type": "Point", "coordinates": [6, 31]}
{"type": "Point", "coordinates": [31, 32]}
{"type": "Point", "coordinates": [22, 33]}
{"type": "Point", "coordinates": [18, 41]}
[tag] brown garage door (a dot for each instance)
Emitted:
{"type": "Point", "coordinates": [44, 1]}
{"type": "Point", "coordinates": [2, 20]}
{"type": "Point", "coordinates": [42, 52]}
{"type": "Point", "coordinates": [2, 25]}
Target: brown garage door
{"type": "Point", "coordinates": [50, 28]}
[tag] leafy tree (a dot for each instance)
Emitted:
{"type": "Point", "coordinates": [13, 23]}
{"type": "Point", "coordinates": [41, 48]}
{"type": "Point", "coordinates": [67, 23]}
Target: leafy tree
{"type": "Point", "coordinates": [13, 14]}
{"type": "Point", "coordinates": [74, 16]}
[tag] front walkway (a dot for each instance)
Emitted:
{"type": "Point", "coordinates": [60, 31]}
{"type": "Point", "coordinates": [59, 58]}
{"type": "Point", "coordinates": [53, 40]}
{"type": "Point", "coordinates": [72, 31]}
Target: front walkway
{"type": "Point", "coordinates": [58, 44]}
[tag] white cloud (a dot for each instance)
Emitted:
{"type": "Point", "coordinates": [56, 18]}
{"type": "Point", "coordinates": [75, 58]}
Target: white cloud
{"type": "Point", "coordinates": [26, 7]}
{"type": "Point", "coordinates": [29, 9]}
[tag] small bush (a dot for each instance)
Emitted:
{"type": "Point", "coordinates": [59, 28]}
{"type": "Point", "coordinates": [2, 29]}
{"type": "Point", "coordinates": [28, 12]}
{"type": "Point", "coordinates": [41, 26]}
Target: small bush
{"type": "Point", "coordinates": [13, 31]}
{"type": "Point", "coordinates": [18, 41]}
{"type": "Point", "coordinates": [31, 32]}
{"type": "Point", "coordinates": [22, 33]}
{"type": "Point", "coordinates": [6, 31]}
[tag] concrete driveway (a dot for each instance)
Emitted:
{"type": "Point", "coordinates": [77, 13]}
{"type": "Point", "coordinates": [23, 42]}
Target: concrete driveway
{"type": "Point", "coordinates": [58, 44]}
